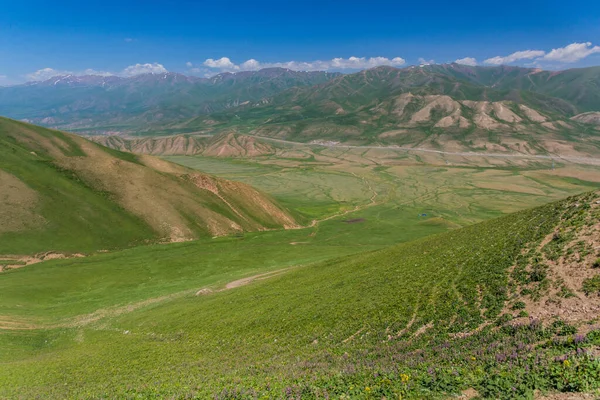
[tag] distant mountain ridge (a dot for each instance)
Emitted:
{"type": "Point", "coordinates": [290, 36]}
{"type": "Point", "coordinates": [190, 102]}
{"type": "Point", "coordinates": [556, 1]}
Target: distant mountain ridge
{"type": "Point", "coordinates": [448, 106]}
{"type": "Point", "coordinates": [111, 103]}
{"type": "Point", "coordinates": [223, 145]}
{"type": "Point", "coordinates": [439, 106]}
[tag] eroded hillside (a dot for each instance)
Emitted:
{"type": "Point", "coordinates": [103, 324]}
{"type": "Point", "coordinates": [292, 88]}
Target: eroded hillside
{"type": "Point", "coordinates": [223, 145]}
{"type": "Point", "coordinates": [64, 193]}
{"type": "Point", "coordinates": [431, 107]}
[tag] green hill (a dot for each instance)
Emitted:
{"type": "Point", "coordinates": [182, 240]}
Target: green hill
{"type": "Point", "coordinates": [578, 86]}
{"type": "Point", "coordinates": [502, 308]}
{"type": "Point", "coordinates": [62, 193]}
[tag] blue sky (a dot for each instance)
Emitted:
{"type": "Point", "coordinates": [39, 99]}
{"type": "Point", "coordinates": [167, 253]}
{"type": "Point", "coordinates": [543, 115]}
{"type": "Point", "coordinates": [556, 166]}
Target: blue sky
{"type": "Point", "coordinates": [41, 38]}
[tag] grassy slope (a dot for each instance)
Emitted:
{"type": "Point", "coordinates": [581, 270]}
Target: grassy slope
{"type": "Point", "coordinates": [80, 192]}
{"type": "Point", "coordinates": [367, 326]}
{"type": "Point", "coordinates": [59, 290]}
{"type": "Point", "coordinates": [71, 209]}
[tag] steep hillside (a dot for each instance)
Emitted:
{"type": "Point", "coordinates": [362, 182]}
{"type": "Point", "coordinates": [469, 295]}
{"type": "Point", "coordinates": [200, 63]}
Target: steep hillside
{"type": "Point", "coordinates": [96, 103]}
{"type": "Point", "coordinates": [61, 192]}
{"type": "Point", "coordinates": [418, 107]}
{"type": "Point", "coordinates": [503, 309]}
{"type": "Point", "coordinates": [588, 118]}
{"type": "Point", "coordinates": [223, 145]}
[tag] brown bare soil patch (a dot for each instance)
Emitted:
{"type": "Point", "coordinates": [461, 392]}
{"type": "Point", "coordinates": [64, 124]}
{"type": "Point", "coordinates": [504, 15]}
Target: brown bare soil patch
{"type": "Point", "coordinates": [504, 113]}
{"type": "Point", "coordinates": [391, 134]}
{"type": "Point", "coordinates": [163, 198]}
{"type": "Point", "coordinates": [231, 145]}
{"type": "Point", "coordinates": [564, 260]}
{"type": "Point", "coordinates": [17, 205]}
{"type": "Point", "coordinates": [468, 394]}
{"type": "Point", "coordinates": [588, 118]}
{"type": "Point", "coordinates": [19, 261]}
{"type": "Point", "coordinates": [532, 114]}
{"type": "Point", "coordinates": [482, 118]}
{"type": "Point", "coordinates": [444, 103]}
{"type": "Point", "coordinates": [401, 102]}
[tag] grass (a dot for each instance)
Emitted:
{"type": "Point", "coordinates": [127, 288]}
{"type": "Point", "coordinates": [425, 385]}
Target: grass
{"type": "Point", "coordinates": [77, 218]}
{"type": "Point", "coordinates": [363, 326]}
{"type": "Point", "coordinates": [64, 199]}
{"type": "Point", "coordinates": [353, 318]}
{"type": "Point", "coordinates": [61, 289]}
{"type": "Point", "coordinates": [342, 179]}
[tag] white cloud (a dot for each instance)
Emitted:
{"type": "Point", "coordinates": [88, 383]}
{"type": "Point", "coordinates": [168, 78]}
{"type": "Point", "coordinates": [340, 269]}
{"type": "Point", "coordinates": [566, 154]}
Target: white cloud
{"type": "Point", "coordinates": [45, 73]}
{"type": "Point", "coordinates": [139, 69]}
{"type": "Point", "coordinates": [423, 61]}
{"type": "Point", "coordinates": [519, 55]}
{"type": "Point", "coordinates": [572, 53]}
{"type": "Point", "coordinates": [467, 61]}
{"type": "Point", "coordinates": [568, 54]}
{"type": "Point", "coordinates": [133, 70]}
{"type": "Point", "coordinates": [189, 64]}
{"type": "Point", "coordinates": [225, 64]}
{"type": "Point", "coordinates": [129, 40]}
{"type": "Point", "coordinates": [250, 65]}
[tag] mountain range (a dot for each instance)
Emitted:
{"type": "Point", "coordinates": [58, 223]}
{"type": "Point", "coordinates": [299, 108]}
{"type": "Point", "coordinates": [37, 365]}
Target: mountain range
{"type": "Point", "coordinates": [104, 104]}
{"type": "Point", "coordinates": [438, 106]}
{"type": "Point", "coordinates": [449, 106]}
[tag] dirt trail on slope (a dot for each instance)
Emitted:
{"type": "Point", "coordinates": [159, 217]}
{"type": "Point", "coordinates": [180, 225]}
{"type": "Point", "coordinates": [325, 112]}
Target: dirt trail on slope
{"type": "Point", "coordinates": [14, 323]}
{"type": "Point", "coordinates": [250, 279]}
{"type": "Point", "coordinates": [8, 261]}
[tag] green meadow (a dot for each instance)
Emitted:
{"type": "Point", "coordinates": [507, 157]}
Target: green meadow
{"type": "Point", "coordinates": [396, 288]}
{"type": "Point", "coordinates": [416, 320]}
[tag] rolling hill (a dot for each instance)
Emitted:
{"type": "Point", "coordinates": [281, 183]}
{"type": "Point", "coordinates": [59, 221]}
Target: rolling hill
{"type": "Point", "coordinates": [502, 309]}
{"type": "Point", "coordinates": [108, 104]}
{"type": "Point", "coordinates": [60, 192]}
{"type": "Point", "coordinates": [223, 145]}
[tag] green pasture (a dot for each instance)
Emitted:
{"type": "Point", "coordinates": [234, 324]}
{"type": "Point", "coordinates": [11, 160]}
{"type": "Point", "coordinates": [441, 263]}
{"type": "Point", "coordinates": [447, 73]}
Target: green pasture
{"type": "Point", "coordinates": [379, 324]}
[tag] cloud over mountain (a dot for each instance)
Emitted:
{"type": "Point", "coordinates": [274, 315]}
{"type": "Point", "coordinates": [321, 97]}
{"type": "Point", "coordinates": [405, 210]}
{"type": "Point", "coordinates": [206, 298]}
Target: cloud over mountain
{"type": "Point", "coordinates": [45, 73]}
{"type": "Point", "coordinates": [224, 64]}
{"type": "Point", "coordinates": [139, 69]}
{"type": "Point", "coordinates": [568, 54]}
{"type": "Point", "coordinates": [132, 70]}
{"type": "Point", "coordinates": [516, 56]}
{"type": "Point", "coordinates": [467, 61]}
{"type": "Point", "coordinates": [572, 53]}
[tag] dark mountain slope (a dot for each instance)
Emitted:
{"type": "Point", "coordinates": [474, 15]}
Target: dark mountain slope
{"type": "Point", "coordinates": [112, 103]}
